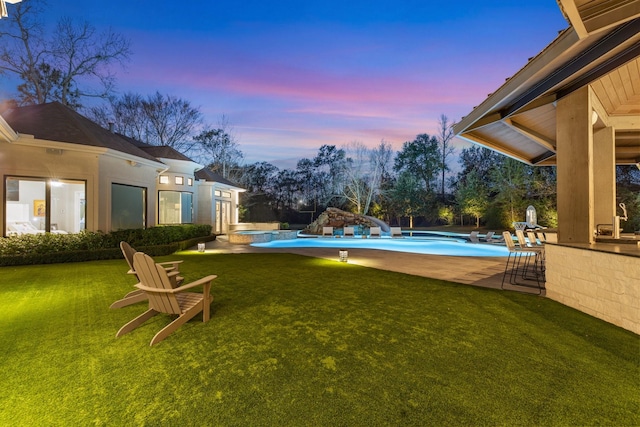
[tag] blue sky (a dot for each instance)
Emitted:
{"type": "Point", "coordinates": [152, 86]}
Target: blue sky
{"type": "Point", "coordinates": [293, 75]}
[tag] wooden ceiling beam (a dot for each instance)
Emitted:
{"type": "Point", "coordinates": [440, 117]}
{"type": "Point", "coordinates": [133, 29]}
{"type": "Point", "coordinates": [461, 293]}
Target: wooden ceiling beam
{"type": "Point", "coordinates": [627, 161]}
{"type": "Point", "coordinates": [628, 122]}
{"type": "Point", "coordinates": [622, 12]}
{"type": "Point", "coordinates": [570, 10]}
{"type": "Point", "coordinates": [547, 161]}
{"type": "Point", "coordinates": [539, 102]}
{"type": "Point", "coordinates": [534, 136]}
{"type": "Point", "coordinates": [495, 146]}
{"type": "Point", "coordinates": [485, 121]}
{"type": "Point", "coordinates": [627, 150]}
{"type": "Point", "coordinates": [617, 37]}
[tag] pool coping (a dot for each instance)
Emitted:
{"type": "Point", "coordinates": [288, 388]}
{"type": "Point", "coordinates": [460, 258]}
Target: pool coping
{"type": "Point", "coordinates": [486, 272]}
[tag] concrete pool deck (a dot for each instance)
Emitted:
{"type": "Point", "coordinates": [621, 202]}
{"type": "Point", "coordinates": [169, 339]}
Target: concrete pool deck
{"type": "Point", "coordinates": [485, 272]}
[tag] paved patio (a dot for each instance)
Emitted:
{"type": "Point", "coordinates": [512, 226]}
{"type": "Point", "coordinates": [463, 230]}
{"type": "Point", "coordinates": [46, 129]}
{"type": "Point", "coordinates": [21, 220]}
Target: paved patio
{"type": "Point", "coordinates": [477, 271]}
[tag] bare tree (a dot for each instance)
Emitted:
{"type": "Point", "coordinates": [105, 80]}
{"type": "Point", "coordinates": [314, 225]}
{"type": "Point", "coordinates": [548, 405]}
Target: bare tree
{"type": "Point", "coordinates": [63, 67]}
{"type": "Point", "coordinates": [157, 119]}
{"type": "Point", "coordinates": [356, 187]}
{"type": "Point", "coordinates": [124, 115]}
{"type": "Point", "coordinates": [218, 148]}
{"type": "Point", "coordinates": [364, 171]}
{"type": "Point", "coordinates": [445, 135]}
{"type": "Point", "coordinates": [22, 50]}
{"type": "Point", "coordinates": [329, 165]}
{"type": "Point", "coordinates": [81, 55]}
{"type": "Point", "coordinates": [171, 121]}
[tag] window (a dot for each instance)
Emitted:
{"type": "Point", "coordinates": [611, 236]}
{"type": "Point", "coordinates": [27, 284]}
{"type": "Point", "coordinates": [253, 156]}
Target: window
{"type": "Point", "coordinates": [179, 180]}
{"type": "Point", "coordinates": [175, 207]}
{"type": "Point", "coordinates": [190, 182]}
{"type": "Point", "coordinates": [226, 194]}
{"type": "Point", "coordinates": [164, 179]}
{"type": "Point", "coordinates": [128, 207]}
{"type": "Point", "coordinates": [39, 205]}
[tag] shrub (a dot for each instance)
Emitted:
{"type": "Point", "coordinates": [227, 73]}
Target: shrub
{"type": "Point", "coordinates": [89, 245]}
{"type": "Point", "coordinates": [445, 214]}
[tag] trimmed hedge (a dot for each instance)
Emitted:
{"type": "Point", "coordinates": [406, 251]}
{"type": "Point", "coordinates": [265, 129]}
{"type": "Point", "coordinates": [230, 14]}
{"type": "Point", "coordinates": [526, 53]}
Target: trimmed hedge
{"type": "Point", "coordinates": [51, 248]}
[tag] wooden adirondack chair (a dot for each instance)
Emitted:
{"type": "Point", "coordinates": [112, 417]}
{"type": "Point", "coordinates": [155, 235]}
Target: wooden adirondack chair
{"type": "Point", "coordinates": [137, 295]}
{"type": "Point", "coordinates": [164, 298]}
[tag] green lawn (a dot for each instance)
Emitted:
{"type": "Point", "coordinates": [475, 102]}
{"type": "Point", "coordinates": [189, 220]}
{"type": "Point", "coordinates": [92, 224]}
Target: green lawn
{"type": "Point", "coordinates": [306, 342]}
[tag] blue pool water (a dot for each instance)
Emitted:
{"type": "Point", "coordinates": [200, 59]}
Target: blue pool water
{"type": "Point", "coordinates": [417, 245]}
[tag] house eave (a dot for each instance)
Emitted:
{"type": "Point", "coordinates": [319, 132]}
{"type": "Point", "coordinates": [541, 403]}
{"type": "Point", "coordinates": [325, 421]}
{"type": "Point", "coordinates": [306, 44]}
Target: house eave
{"type": "Point", "coordinates": [6, 133]}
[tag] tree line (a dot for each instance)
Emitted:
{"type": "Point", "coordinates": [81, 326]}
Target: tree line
{"type": "Point", "coordinates": [74, 64]}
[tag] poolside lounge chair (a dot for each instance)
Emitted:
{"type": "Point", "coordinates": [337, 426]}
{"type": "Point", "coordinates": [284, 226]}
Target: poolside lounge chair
{"type": "Point", "coordinates": [164, 298]}
{"type": "Point", "coordinates": [349, 232]}
{"type": "Point", "coordinates": [375, 232]}
{"type": "Point", "coordinates": [395, 231]}
{"type": "Point", "coordinates": [327, 231]}
{"type": "Point", "coordinates": [490, 237]}
{"type": "Point", "coordinates": [137, 295]}
{"type": "Point", "coordinates": [473, 237]}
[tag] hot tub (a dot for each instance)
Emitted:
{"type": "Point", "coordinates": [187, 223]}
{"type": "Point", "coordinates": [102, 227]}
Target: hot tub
{"type": "Point", "coordinates": [259, 236]}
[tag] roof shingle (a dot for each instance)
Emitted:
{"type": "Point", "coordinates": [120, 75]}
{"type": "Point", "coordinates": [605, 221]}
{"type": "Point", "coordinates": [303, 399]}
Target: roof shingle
{"type": "Point", "coordinates": [56, 122]}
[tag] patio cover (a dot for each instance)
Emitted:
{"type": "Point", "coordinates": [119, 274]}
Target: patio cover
{"type": "Point", "coordinates": [601, 49]}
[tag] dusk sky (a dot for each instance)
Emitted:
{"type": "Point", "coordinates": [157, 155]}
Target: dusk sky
{"type": "Point", "coordinates": [291, 76]}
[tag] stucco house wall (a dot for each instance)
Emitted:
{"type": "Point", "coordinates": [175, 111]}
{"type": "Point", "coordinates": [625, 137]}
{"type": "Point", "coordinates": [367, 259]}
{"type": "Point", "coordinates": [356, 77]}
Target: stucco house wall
{"type": "Point", "coordinates": [31, 158]}
{"type": "Point", "coordinates": [50, 142]}
{"type": "Point", "coordinates": [115, 170]}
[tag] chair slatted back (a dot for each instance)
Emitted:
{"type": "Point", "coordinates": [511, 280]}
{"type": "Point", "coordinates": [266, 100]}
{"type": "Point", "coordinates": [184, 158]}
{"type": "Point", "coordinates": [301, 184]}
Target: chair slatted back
{"type": "Point", "coordinates": [541, 237]}
{"type": "Point", "coordinates": [521, 239]}
{"type": "Point", "coordinates": [154, 276]}
{"type": "Point", "coordinates": [508, 240]}
{"type": "Point", "coordinates": [532, 238]}
{"type": "Point", "coordinates": [128, 252]}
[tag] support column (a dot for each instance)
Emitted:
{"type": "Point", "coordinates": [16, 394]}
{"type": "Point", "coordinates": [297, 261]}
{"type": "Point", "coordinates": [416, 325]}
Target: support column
{"type": "Point", "coordinates": [604, 154]}
{"type": "Point", "coordinates": [574, 136]}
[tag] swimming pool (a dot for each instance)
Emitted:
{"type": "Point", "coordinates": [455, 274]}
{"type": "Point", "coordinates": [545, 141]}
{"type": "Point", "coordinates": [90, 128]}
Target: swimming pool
{"type": "Point", "coordinates": [418, 245]}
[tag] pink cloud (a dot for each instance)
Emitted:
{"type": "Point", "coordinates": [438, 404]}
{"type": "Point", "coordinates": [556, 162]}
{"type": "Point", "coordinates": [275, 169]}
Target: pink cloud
{"type": "Point", "coordinates": [282, 103]}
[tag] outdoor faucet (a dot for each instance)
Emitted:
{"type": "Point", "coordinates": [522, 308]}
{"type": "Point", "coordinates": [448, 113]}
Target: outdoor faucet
{"type": "Point", "coordinates": [616, 221]}
{"type": "Point", "coordinates": [624, 211]}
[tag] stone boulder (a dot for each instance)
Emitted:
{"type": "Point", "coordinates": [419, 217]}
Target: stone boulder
{"type": "Point", "coordinates": [336, 218]}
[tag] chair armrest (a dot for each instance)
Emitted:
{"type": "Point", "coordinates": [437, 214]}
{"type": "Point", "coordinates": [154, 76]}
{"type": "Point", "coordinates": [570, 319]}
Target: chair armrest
{"type": "Point", "coordinates": [173, 264]}
{"type": "Point", "coordinates": [182, 288]}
